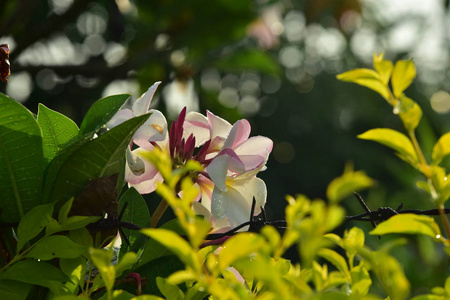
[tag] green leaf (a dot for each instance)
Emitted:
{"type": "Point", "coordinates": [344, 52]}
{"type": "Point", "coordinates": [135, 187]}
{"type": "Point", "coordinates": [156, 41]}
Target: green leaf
{"type": "Point", "coordinates": [402, 76]}
{"type": "Point", "coordinates": [361, 281]}
{"type": "Point", "coordinates": [337, 260]}
{"type": "Point", "coordinates": [409, 111]}
{"type": "Point", "coordinates": [125, 263]}
{"type": "Point", "coordinates": [175, 244]}
{"type": "Point", "coordinates": [159, 267]}
{"type": "Point", "coordinates": [75, 269]}
{"type": "Point", "coordinates": [14, 290]}
{"type": "Point", "coordinates": [64, 210]}
{"type": "Point", "coordinates": [368, 78]}
{"type": "Point", "coordinates": [136, 213]}
{"type": "Point", "coordinates": [72, 223]}
{"type": "Point", "coordinates": [393, 139]}
{"type": "Point", "coordinates": [102, 260]}
{"type": "Point", "coordinates": [21, 160]}
{"type": "Point", "coordinates": [170, 291]}
{"type": "Point", "coordinates": [256, 60]}
{"type": "Point", "coordinates": [408, 224]}
{"type": "Point", "coordinates": [383, 67]}
{"type": "Point", "coordinates": [153, 249]}
{"type": "Point", "coordinates": [57, 131]}
{"type": "Point", "coordinates": [101, 112]}
{"type": "Point", "coordinates": [56, 246]}
{"type": "Point", "coordinates": [441, 149]}
{"type": "Point", "coordinates": [36, 272]}
{"type": "Point", "coordinates": [33, 223]}
{"type": "Point", "coordinates": [345, 185]}
{"type": "Point", "coordinates": [239, 246]}
{"type": "Point", "coordinates": [70, 171]}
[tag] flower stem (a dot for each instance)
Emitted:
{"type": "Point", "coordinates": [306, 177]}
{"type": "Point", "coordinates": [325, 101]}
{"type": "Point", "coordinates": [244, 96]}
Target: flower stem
{"type": "Point", "coordinates": [416, 145]}
{"type": "Point", "coordinates": [163, 205]}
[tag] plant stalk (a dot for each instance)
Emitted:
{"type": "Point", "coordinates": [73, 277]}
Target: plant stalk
{"type": "Point", "coordinates": [163, 205]}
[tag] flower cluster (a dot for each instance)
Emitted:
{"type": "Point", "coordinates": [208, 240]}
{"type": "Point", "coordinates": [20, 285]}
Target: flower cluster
{"type": "Point", "coordinates": [231, 159]}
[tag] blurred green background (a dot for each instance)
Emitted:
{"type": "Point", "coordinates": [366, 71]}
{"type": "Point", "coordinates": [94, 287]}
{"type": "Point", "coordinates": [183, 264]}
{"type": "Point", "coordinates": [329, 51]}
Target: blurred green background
{"type": "Point", "coordinates": [273, 62]}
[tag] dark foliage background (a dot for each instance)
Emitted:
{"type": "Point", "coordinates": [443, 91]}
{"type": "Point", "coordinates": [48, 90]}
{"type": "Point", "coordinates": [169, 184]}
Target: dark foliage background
{"type": "Point", "coordinates": [271, 61]}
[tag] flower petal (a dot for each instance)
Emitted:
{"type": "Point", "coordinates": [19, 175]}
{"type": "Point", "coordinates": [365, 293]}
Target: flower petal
{"type": "Point", "coordinates": [218, 169]}
{"type": "Point", "coordinates": [197, 124]}
{"type": "Point", "coordinates": [254, 152]}
{"type": "Point", "coordinates": [141, 105]}
{"type": "Point", "coordinates": [219, 126]}
{"type": "Point", "coordinates": [236, 202]}
{"type": "Point", "coordinates": [238, 134]}
{"type": "Point", "coordinates": [120, 117]}
{"type": "Point", "coordinates": [154, 129]}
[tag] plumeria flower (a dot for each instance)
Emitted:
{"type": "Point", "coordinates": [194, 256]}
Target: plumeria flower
{"type": "Point", "coordinates": [231, 159]}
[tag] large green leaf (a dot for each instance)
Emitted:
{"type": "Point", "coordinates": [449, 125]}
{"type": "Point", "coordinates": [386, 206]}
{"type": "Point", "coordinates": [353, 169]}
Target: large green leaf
{"type": "Point", "coordinates": [56, 246]}
{"type": "Point", "coordinates": [101, 112]}
{"type": "Point", "coordinates": [136, 213]}
{"type": "Point", "coordinates": [21, 160]}
{"type": "Point", "coordinates": [36, 272]}
{"type": "Point", "coordinates": [14, 290]}
{"type": "Point", "coordinates": [72, 169]}
{"type": "Point", "coordinates": [57, 131]}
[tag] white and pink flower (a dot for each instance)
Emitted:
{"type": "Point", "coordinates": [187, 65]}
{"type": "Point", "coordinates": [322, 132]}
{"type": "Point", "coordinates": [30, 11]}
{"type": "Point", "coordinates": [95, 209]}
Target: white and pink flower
{"type": "Point", "coordinates": [230, 157]}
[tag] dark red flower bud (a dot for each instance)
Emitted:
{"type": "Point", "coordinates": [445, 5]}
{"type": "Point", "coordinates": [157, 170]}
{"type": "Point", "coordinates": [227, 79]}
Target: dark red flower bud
{"type": "Point", "coordinates": [4, 62]}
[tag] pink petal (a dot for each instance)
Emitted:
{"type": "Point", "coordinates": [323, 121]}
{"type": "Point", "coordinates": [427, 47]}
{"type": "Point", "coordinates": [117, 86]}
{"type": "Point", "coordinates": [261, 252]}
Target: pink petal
{"type": "Point", "coordinates": [141, 105]}
{"type": "Point", "coordinates": [148, 186]}
{"type": "Point", "coordinates": [254, 152]}
{"type": "Point", "coordinates": [238, 134]}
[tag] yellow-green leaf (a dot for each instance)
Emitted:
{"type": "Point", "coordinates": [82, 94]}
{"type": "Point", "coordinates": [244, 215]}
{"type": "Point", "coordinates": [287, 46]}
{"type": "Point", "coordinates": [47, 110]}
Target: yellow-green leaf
{"type": "Point", "coordinates": [175, 244]}
{"type": "Point", "coordinates": [383, 67]}
{"type": "Point", "coordinates": [239, 246]}
{"type": "Point", "coordinates": [349, 182]}
{"type": "Point", "coordinates": [441, 148]}
{"type": "Point", "coordinates": [368, 78]}
{"type": "Point", "coordinates": [410, 112]}
{"type": "Point", "coordinates": [337, 260]}
{"type": "Point", "coordinates": [408, 224]}
{"type": "Point", "coordinates": [402, 76]}
{"type": "Point", "coordinates": [361, 280]}
{"type": "Point", "coordinates": [393, 139]}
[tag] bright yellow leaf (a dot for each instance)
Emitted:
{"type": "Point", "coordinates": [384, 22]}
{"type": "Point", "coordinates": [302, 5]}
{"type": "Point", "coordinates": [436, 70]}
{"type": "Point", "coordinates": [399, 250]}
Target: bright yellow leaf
{"type": "Point", "coordinates": [402, 76]}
